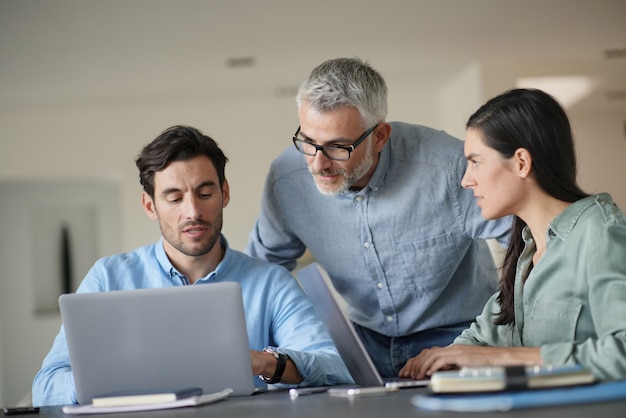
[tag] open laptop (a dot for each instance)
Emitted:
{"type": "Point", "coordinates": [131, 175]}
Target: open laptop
{"type": "Point", "coordinates": [163, 338]}
{"type": "Point", "coordinates": [316, 283]}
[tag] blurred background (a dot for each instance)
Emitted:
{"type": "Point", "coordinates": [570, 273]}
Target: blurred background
{"type": "Point", "coordinates": [85, 84]}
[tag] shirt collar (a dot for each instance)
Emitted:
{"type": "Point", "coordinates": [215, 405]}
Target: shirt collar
{"type": "Point", "coordinates": [378, 175]}
{"type": "Point", "coordinates": [380, 172]}
{"type": "Point", "coordinates": [169, 268]}
{"type": "Point", "coordinates": [563, 224]}
{"type": "Point", "coordinates": [163, 260]}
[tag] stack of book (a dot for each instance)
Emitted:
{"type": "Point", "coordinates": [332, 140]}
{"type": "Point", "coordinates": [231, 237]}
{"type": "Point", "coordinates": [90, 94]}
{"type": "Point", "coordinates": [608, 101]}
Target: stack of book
{"type": "Point", "coordinates": [478, 389]}
{"type": "Point", "coordinates": [494, 379]}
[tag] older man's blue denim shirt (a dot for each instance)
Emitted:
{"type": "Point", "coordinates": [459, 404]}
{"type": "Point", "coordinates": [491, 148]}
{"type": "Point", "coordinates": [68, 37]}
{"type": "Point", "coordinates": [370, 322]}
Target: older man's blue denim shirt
{"type": "Point", "coordinates": [278, 314]}
{"type": "Point", "coordinates": [406, 252]}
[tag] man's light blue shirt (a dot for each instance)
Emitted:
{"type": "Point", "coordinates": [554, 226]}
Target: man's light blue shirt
{"type": "Point", "coordinates": [407, 252]}
{"type": "Point", "coordinates": [278, 314]}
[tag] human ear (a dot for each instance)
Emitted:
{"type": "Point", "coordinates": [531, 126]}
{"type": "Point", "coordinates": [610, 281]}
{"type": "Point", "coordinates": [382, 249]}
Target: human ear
{"type": "Point", "coordinates": [381, 136]}
{"type": "Point", "coordinates": [225, 193]}
{"type": "Point", "coordinates": [523, 162]}
{"type": "Point", "coordinates": [148, 206]}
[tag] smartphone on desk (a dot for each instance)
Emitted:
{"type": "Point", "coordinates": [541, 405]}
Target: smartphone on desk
{"type": "Point", "coordinates": [359, 392]}
{"type": "Point", "coordinates": [21, 410]}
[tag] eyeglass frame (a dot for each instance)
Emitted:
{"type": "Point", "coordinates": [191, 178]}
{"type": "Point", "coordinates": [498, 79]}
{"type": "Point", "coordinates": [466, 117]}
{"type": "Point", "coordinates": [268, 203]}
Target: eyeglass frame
{"type": "Point", "coordinates": [323, 148]}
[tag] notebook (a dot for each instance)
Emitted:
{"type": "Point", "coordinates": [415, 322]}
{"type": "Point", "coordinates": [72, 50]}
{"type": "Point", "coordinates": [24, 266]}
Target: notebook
{"type": "Point", "coordinates": [316, 283]}
{"type": "Point", "coordinates": [506, 401]}
{"type": "Point", "coordinates": [501, 378]}
{"type": "Point", "coordinates": [150, 339]}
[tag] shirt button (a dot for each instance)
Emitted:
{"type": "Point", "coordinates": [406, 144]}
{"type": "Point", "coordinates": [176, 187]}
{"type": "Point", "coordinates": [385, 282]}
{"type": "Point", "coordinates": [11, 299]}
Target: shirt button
{"type": "Point", "coordinates": [358, 198]}
{"type": "Point", "coordinates": [380, 285]}
{"type": "Point", "coordinates": [366, 244]}
{"type": "Point", "coordinates": [389, 318]}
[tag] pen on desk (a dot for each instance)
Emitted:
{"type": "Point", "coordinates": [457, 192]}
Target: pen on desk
{"type": "Point", "coordinates": [295, 392]}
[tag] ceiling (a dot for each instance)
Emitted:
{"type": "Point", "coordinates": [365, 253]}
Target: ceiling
{"type": "Point", "coordinates": [75, 52]}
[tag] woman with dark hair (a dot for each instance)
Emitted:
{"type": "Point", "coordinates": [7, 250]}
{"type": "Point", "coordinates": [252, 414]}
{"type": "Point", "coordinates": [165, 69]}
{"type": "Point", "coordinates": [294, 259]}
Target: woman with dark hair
{"type": "Point", "coordinates": [562, 296]}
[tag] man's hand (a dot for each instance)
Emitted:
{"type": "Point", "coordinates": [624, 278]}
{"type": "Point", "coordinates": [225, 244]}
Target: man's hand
{"type": "Point", "coordinates": [265, 364]}
{"type": "Point", "coordinates": [262, 363]}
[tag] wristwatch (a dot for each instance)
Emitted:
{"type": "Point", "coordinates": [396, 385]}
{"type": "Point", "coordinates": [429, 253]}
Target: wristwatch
{"type": "Point", "coordinates": [281, 362]}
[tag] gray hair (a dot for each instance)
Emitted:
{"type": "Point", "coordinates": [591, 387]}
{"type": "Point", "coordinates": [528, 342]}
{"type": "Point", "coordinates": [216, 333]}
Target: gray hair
{"type": "Point", "coordinates": [346, 82]}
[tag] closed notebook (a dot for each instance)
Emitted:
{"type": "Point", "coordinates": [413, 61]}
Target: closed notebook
{"type": "Point", "coordinates": [190, 401]}
{"type": "Point", "coordinates": [495, 379]}
{"type": "Point", "coordinates": [142, 397]}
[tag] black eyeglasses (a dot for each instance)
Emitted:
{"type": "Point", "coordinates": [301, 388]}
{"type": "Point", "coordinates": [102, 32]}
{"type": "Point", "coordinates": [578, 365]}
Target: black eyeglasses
{"type": "Point", "coordinates": [332, 152]}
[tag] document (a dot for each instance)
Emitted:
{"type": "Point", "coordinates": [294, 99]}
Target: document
{"type": "Point", "coordinates": [185, 402]}
{"type": "Point", "coordinates": [139, 397]}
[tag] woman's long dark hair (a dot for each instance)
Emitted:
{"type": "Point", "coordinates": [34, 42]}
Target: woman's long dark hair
{"type": "Point", "coordinates": [533, 120]}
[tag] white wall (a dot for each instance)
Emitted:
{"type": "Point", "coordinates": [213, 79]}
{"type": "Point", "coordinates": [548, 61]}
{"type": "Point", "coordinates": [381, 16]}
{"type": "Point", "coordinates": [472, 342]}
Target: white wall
{"type": "Point", "coordinates": [459, 97]}
{"type": "Point", "coordinates": [31, 214]}
{"type": "Point", "coordinates": [601, 146]}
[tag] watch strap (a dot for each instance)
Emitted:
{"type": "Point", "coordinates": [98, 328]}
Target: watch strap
{"type": "Point", "coordinates": [281, 363]}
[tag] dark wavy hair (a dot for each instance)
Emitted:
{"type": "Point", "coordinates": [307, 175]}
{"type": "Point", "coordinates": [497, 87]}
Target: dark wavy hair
{"type": "Point", "coordinates": [177, 143]}
{"type": "Point", "coordinates": [533, 120]}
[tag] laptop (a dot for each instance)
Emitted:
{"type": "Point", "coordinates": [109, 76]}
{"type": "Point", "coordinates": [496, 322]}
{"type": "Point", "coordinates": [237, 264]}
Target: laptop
{"type": "Point", "coordinates": [155, 339]}
{"type": "Point", "coordinates": [316, 283]}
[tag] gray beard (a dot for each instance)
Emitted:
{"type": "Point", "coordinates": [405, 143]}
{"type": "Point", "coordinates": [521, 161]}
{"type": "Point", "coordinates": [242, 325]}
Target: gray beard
{"type": "Point", "coordinates": [350, 178]}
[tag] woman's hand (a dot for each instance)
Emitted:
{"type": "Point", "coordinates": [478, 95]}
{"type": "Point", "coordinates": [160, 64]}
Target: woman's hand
{"type": "Point", "coordinates": [455, 356]}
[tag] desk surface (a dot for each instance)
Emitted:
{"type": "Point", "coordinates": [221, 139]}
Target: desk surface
{"type": "Point", "coordinates": [279, 404]}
